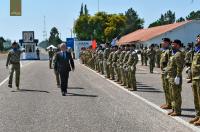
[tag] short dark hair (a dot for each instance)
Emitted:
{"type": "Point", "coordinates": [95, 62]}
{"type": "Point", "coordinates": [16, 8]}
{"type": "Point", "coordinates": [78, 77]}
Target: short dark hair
{"type": "Point", "coordinates": [14, 43]}
{"type": "Point", "coordinates": [177, 41]}
{"type": "Point", "coordinates": [166, 39]}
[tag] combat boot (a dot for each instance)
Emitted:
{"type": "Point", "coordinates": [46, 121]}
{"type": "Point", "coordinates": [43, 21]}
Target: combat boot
{"type": "Point", "coordinates": [194, 120]}
{"type": "Point", "coordinates": [18, 88]}
{"type": "Point", "coordinates": [10, 85]}
{"type": "Point", "coordinates": [197, 123]}
{"type": "Point", "coordinates": [171, 112]}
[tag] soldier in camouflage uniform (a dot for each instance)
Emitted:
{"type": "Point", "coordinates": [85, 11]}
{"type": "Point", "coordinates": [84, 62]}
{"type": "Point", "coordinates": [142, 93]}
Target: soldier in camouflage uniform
{"type": "Point", "coordinates": [125, 66]}
{"type": "Point", "coordinates": [145, 55]}
{"type": "Point", "coordinates": [115, 63]}
{"type": "Point", "coordinates": [158, 55]}
{"type": "Point", "coordinates": [110, 62]}
{"type": "Point", "coordinates": [196, 82]}
{"type": "Point", "coordinates": [165, 54]}
{"type": "Point", "coordinates": [174, 75]}
{"type": "Point", "coordinates": [13, 61]}
{"type": "Point", "coordinates": [120, 64]}
{"type": "Point", "coordinates": [105, 57]}
{"type": "Point", "coordinates": [151, 54]}
{"type": "Point", "coordinates": [131, 63]}
{"type": "Point", "coordinates": [188, 63]}
{"type": "Point", "coordinates": [100, 60]}
{"type": "Point", "coordinates": [51, 54]}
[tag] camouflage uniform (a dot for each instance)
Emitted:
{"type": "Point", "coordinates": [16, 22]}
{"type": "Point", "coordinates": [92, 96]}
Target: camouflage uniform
{"type": "Point", "coordinates": [174, 69]}
{"type": "Point", "coordinates": [145, 56]}
{"type": "Point", "coordinates": [120, 66]}
{"type": "Point", "coordinates": [125, 68]}
{"type": "Point", "coordinates": [110, 65]}
{"type": "Point", "coordinates": [100, 61]}
{"type": "Point", "coordinates": [51, 54]}
{"type": "Point", "coordinates": [132, 62]}
{"type": "Point", "coordinates": [151, 54]}
{"type": "Point", "coordinates": [165, 54]}
{"type": "Point", "coordinates": [188, 63]}
{"type": "Point", "coordinates": [196, 81]}
{"type": "Point", "coordinates": [115, 64]}
{"type": "Point", "coordinates": [13, 60]}
{"type": "Point", "coordinates": [105, 57]}
{"type": "Point", "coordinates": [158, 56]}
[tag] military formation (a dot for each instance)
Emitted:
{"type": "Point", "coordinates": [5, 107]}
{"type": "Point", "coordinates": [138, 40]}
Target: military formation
{"type": "Point", "coordinates": [118, 63]}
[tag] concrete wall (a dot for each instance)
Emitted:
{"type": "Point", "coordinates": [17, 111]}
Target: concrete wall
{"type": "Point", "coordinates": [186, 33]}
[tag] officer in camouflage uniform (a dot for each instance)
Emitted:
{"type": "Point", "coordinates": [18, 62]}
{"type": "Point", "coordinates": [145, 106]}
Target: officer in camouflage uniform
{"type": "Point", "coordinates": [51, 54]}
{"type": "Point", "coordinates": [131, 63]}
{"type": "Point", "coordinates": [158, 55]}
{"type": "Point", "coordinates": [120, 64]}
{"type": "Point", "coordinates": [188, 63]}
{"type": "Point", "coordinates": [174, 75]}
{"type": "Point", "coordinates": [13, 61]}
{"type": "Point", "coordinates": [165, 54]}
{"type": "Point", "coordinates": [111, 63]}
{"type": "Point", "coordinates": [151, 54]}
{"type": "Point", "coordinates": [100, 60]}
{"type": "Point", "coordinates": [105, 57]}
{"type": "Point", "coordinates": [125, 66]}
{"type": "Point", "coordinates": [145, 55]}
{"type": "Point", "coordinates": [115, 63]}
{"type": "Point", "coordinates": [196, 82]}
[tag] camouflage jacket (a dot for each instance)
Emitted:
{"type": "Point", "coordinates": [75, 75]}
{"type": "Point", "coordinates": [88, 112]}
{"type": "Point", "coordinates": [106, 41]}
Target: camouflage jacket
{"type": "Point", "coordinates": [13, 57]}
{"type": "Point", "coordinates": [175, 65]}
{"type": "Point", "coordinates": [165, 55]}
{"type": "Point", "coordinates": [196, 66]}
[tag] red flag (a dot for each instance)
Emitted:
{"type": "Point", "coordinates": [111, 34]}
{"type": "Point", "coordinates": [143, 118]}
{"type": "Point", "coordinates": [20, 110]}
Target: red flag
{"type": "Point", "coordinates": [94, 44]}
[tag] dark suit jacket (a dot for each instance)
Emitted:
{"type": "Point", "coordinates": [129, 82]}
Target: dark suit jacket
{"type": "Point", "coordinates": [64, 64]}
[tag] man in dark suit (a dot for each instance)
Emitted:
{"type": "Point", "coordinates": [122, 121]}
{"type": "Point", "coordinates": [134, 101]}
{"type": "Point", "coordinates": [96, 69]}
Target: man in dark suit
{"type": "Point", "coordinates": [65, 64]}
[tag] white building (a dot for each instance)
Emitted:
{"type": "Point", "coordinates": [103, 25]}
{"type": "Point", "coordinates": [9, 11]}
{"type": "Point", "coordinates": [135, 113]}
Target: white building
{"type": "Point", "coordinates": [184, 31]}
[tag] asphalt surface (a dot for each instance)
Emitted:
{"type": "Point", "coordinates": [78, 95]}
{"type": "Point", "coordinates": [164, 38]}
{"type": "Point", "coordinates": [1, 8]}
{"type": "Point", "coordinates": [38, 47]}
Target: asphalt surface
{"type": "Point", "coordinates": [93, 104]}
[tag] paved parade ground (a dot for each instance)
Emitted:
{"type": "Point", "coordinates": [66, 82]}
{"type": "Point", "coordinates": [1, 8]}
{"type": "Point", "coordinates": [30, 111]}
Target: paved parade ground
{"type": "Point", "coordinates": [94, 104]}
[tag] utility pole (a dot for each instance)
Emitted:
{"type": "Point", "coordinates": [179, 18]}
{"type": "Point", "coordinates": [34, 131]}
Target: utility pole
{"type": "Point", "coordinates": [44, 30]}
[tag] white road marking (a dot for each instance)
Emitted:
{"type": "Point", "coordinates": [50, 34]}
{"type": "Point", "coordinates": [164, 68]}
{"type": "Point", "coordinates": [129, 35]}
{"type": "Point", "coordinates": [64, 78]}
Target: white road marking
{"type": "Point", "coordinates": [180, 120]}
{"type": "Point", "coordinates": [5, 80]}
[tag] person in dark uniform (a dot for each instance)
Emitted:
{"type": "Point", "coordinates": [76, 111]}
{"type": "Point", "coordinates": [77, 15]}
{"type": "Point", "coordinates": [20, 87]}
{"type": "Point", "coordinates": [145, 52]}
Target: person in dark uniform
{"type": "Point", "coordinates": [65, 64]}
{"type": "Point", "coordinates": [38, 53]}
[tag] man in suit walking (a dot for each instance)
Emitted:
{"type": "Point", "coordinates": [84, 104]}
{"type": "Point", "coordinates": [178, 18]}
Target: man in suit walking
{"type": "Point", "coordinates": [65, 64]}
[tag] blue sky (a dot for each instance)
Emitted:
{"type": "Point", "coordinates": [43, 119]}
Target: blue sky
{"type": "Point", "coordinates": [62, 13]}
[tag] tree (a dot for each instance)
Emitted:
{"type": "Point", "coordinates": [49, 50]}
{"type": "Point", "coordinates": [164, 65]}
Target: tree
{"type": "Point", "coordinates": [54, 37]}
{"type": "Point", "coordinates": [168, 18]}
{"type": "Point", "coordinates": [133, 22]}
{"type": "Point", "coordinates": [181, 19]}
{"type": "Point", "coordinates": [86, 10]}
{"type": "Point", "coordinates": [81, 12]}
{"type": "Point", "coordinates": [98, 25]}
{"type": "Point", "coordinates": [115, 26]}
{"type": "Point", "coordinates": [2, 40]}
{"type": "Point", "coordinates": [193, 15]}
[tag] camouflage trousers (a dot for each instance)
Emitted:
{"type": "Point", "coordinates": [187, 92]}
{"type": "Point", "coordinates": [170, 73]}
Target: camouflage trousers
{"type": "Point", "coordinates": [14, 68]}
{"type": "Point", "coordinates": [106, 69]}
{"type": "Point", "coordinates": [132, 78]}
{"type": "Point", "coordinates": [118, 73]}
{"type": "Point", "coordinates": [145, 60]}
{"type": "Point", "coordinates": [125, 76]}
{"type": "Point", "coordinates": [165, 84]}
{"type": "Point", "coordinates": [112, 72]}
{"type": "Point", "coordinates": [101, 69]}
{"type": "Point", "coordinates": [151, 65]}
{"type": "Point", "coordinates": [176, 98]}
{"type": "Point", "coordinates": [196, 93]}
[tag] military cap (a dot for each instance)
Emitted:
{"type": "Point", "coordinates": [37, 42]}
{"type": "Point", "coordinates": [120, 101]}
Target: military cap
{"type": "Point", "coordinates": [166, 39]}
{"type": "Point", "coordinates": [177, 42]}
